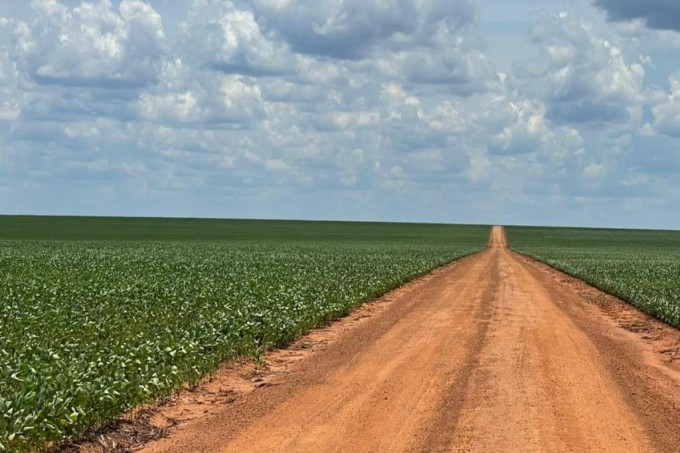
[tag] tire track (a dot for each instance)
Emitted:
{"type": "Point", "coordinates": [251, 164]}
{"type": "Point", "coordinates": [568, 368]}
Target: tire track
{"type": "Point", "coordinates": [490, 354]}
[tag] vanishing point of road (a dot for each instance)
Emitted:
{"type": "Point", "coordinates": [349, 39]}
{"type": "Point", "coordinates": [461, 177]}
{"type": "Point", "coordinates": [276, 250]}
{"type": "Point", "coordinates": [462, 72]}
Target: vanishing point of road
{"type": "Point", "coordinates": [492, 353]}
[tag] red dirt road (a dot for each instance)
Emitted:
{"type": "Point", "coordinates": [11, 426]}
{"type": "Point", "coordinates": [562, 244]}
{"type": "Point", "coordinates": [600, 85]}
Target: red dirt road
{"type": "Point", "coordinates": [493, 353]}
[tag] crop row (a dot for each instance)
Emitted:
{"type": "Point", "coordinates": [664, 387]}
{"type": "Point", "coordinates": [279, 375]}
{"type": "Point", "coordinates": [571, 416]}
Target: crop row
{"type": "Point", "coordinates": [641, 267]}
{"type": "Point", "coordinates": [89, 330]}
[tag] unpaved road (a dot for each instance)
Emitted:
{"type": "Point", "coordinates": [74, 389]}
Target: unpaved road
{"type": "Point", "coordinates": [495, 353]}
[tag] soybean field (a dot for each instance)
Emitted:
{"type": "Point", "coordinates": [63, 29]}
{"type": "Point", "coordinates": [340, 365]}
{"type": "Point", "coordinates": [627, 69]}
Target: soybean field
{"type": "Point", "coordinates": [639, 266]}
{"type": "Point", "coordinates": [99, 315]}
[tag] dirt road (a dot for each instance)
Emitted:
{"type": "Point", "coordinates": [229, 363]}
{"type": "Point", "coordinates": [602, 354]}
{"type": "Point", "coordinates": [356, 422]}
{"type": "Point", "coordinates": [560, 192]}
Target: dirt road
{"type": "Point", "coordinates": [494, 353]}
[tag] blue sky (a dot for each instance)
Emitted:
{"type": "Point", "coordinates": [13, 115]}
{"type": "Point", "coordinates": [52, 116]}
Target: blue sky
{"type": "Point", "coordinates": [459, 111]}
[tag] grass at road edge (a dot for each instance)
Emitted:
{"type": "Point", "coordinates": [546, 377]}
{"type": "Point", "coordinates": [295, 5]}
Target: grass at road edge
{"type": "Point", "coordinates": [641, 267]}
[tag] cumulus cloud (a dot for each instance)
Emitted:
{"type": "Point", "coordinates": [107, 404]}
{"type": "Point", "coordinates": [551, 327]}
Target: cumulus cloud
{"type": "Point", "coordinates": [353, 28]}
{"type": "Point", "coordinates": [213, 100]}
{"type": "Point", "coordinates": [581, 73]}
{"type": "Point", "coordinates": [657, 14]}
{"type": "Point", "coordinates": [667, 113]}
{"type": "Point", "coordinates": [527, 143]}
{"type": "Point", "coordinates": [92, 44]}
{"type": "Point", "coordinates": [10, 97]}
{"type": "Point", "coordinates": [457, 70]}
{"type": "Point", "coordinates": [225, 38]}
{"type": "Point", "coordinates": [449, 117]}
{"type": "Point", "coordinates": [524, 134]}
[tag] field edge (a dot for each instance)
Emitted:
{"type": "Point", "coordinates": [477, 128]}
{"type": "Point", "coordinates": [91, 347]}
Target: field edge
{"type": "Point", "coordinates": [153, 421]}
{"type": "Point", "coordinates": [662, 336]}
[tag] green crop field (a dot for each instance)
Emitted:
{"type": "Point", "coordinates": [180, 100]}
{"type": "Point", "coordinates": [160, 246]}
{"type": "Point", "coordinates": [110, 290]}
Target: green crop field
{"type": "Point", "coordinates": [639, 266]}
{"type": "Point", "coordinates": [98, 315]}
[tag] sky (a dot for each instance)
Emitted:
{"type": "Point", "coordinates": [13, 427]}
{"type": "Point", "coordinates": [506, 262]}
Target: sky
{"type": "Point", "coordinates": [551, 112]}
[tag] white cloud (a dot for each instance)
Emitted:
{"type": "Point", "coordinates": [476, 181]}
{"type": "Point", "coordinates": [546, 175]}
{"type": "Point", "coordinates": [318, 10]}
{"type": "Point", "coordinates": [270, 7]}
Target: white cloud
{"type": "Point", "coordinates": [400, 105]}
{"type": "Point", "coordinates": [189, 97]}
{"type": "Point", "coordinates": [10, 95]}
{"type": "Point", "coordinates": [349, 120]}
{"type": "Point", "coordinates": [354, 28]}
{"type": "Point", "coordinates": [667, 113]}
{"type": "Point", "coordinates": [582, 73]}
{"type": "Point", "coordinates": [225, 38]}
{"type": "Point", "coordinates": [449, 117]}
{"type": "Point", "coordinates": [523, 135]}
{"type": "Point", "coordinates": [92, 44]}
{"type": "Point", "coordinates": [459, 70]}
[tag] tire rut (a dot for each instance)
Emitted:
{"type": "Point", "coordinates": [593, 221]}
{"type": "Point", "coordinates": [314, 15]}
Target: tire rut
{"type": "Point", "coordinates": [493, 353]}
{"type": "Point", "coordinates": [448, 413]}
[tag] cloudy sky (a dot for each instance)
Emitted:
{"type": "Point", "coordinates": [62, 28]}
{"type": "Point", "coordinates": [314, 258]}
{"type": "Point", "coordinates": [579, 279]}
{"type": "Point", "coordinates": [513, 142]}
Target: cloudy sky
{"type": "Point", "coordinates": [559, 112]}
